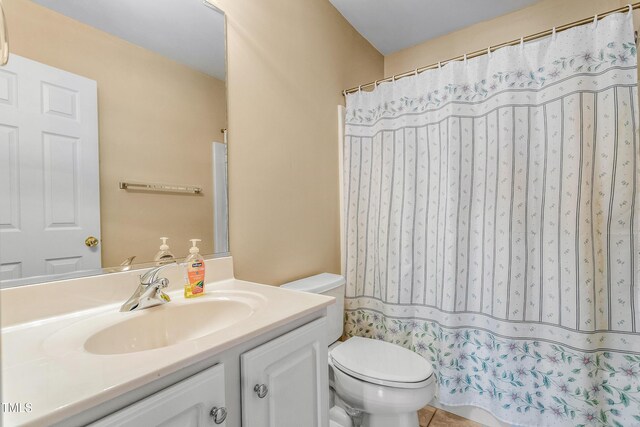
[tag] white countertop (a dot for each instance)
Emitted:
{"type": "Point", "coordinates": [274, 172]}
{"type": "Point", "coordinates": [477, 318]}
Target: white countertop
{"type": "Point", "coordinates": [45, 364]}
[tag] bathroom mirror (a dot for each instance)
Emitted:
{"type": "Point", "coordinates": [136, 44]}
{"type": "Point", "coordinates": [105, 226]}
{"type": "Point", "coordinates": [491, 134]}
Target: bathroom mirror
{"type": "Point", "coordinates": [112, 135]}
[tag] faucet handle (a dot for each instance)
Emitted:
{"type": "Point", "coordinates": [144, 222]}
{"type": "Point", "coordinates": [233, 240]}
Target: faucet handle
{"type": "Point", "coordinates": [151, 276]}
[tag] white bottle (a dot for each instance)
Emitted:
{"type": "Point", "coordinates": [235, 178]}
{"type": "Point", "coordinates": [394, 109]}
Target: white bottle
{"type": "Point", "coordinates": [164, 256]}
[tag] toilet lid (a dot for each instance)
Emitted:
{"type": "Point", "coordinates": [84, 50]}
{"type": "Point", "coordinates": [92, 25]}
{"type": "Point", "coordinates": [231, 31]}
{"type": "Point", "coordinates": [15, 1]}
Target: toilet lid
{"type": "Point", "coordinates": [382, 363]}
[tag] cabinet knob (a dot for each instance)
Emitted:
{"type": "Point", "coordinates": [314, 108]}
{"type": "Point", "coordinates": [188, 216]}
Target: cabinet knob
{"type": "Point", "coordinates": [218, 414]}
{"type": "Point", "coordinates": [261, 390]}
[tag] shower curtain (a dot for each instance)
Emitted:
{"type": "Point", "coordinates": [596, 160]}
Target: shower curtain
{"type": "Point", "coordinates": [491, 225]}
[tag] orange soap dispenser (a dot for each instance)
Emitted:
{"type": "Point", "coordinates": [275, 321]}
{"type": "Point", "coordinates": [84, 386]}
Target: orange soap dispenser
{"type": "Point", "coordinates": [194, 266]}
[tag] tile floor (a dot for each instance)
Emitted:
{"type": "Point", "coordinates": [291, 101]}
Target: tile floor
{"type": "Point", "coordinates": [432, 417]}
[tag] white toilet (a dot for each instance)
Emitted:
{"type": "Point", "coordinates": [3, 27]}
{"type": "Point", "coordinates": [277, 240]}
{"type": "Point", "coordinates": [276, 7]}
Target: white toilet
{"type": "Point", "coordinates": [382, 383]}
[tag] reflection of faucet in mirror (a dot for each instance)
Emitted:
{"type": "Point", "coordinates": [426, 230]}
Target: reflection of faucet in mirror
{"type": "Point", "coordinates": [150, 290]}
{"type": "Point", "coordinates": [126, 264]}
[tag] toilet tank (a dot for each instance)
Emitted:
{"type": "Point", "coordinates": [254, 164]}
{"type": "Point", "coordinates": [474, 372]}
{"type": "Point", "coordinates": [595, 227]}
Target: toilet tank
{"type": "Point", "coordinates": [326, 284]}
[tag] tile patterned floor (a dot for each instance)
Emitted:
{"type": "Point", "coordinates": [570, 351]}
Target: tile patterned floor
{"type": "Point", "coordinates": [432, 417]}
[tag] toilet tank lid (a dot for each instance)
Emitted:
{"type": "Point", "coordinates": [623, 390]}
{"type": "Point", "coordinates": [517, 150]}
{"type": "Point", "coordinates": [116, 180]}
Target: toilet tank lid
{"type": "Point", "coordinates": [316, 284]}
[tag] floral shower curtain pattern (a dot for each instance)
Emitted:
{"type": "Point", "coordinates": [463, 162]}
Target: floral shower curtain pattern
{"type": "Point", "coordinates": [491, 225]}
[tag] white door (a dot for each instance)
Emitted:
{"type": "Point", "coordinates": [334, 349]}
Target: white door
{"type": "Point", "coordinates": [197, 401]}
{"type": "Point", "coordinates": [285, 382]}
{"type": "Point", "coordinates": [49, 177]}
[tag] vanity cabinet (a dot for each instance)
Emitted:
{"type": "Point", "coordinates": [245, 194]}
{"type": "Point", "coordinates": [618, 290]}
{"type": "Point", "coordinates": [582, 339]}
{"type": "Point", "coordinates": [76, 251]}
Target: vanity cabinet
{"type": "Point", "coordinates": [196, 401]}
{"type": "Point", "coordinates": [282, 382]}
{"type": "Point", "coordinates": [285, 381]}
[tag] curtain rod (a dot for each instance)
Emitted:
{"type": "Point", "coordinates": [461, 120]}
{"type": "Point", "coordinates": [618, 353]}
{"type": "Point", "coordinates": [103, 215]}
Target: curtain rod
{"type": "Point", "coordinates": [481, 52]}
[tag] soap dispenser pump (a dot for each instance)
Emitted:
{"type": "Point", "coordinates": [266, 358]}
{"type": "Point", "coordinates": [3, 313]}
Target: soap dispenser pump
{"type": "Point", "coordinates": [164, 255]}
{"type": "Point", "coordinates": [194, 265]}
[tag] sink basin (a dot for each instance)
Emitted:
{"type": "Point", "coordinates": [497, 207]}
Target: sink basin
{"type": "Point", "coordinates": [192, 322]}
{"type": "Point", "coordinates": [167, 325]}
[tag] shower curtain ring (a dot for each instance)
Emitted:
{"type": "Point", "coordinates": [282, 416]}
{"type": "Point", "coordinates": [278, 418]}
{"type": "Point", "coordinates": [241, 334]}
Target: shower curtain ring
{"type": "Point", "coordinates": [416, 72]}
{"type": "Point", "coordinates": [630, 8]}
{"type": "Point", "coordinates": [489, 51]}
{"type": "Point", "coordinates": [465, 59]}
{"type": "Point", "coordinates": [359, 88]}
{"type": "Point", "coordinates": [439, 64]}
{"type": "Point", "coordinates": [595, 21]}
{"type": "Point", "coordinates": [553, 33]}
{"type": "Point", "coordinates": [522, 42]}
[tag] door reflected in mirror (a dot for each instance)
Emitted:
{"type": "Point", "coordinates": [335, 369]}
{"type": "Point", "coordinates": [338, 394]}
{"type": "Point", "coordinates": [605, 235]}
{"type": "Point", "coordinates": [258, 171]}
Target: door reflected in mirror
{"type": "Point", "coordinates": [111, 119]}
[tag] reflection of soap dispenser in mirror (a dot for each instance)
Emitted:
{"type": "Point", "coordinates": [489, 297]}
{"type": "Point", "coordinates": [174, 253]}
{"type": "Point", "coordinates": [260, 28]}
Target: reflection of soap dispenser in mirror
{"type": "Point", "coordinates": [194, 266]}
{"type": "Point", "coordinates": [164, 255]}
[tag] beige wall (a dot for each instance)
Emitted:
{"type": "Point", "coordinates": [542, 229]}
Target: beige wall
{"type": "Point", "coordinates": [288, 61]}
{"type": "Point", "coordinates": [157, 120]}
{"type": "Point", "coordinates": [540, 16]}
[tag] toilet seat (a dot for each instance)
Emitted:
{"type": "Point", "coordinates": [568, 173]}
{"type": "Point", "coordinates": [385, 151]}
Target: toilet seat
{"type": "Point", "coordinates": [382, 363]}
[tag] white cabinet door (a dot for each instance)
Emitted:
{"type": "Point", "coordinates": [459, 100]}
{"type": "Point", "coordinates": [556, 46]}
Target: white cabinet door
{"type": "Point", "coordinates": [49, 179]}
{"type": "Point", "coordinates": [285, 381]}
{"type": "Point", "coordinates": [188, 403]}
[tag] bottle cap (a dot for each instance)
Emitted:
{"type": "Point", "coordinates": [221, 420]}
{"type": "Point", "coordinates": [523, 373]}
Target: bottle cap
{"type": "Point", "coordinates": [194, 249]}
{"type": "Point", "coordinates": [164, 246]}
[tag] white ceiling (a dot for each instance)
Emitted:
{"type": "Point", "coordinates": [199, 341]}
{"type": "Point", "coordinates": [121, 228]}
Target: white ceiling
{"type": "Point", "coordinates": [392, 25]}
{"type": "Point", "coordinates": [186, 31]}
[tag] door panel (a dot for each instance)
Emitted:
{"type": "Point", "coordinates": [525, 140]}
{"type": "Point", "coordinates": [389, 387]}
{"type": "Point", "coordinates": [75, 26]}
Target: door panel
{"type": "Point", "coordinates": [8, 88]}
{"type": "Point", "coordinates": [9, 183]}
{"type": "Point", "coordinates": [60, 181]}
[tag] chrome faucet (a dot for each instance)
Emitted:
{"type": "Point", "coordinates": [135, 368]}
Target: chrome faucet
{"type": "Point", "coordinates": [150, 290]}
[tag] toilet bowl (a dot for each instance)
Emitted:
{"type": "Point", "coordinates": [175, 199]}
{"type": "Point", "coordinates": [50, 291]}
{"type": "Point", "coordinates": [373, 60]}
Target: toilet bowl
{"type": "Point", "coordinates": [388, 384]}
{"type": "Point", "coordinates": [379, 383]}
